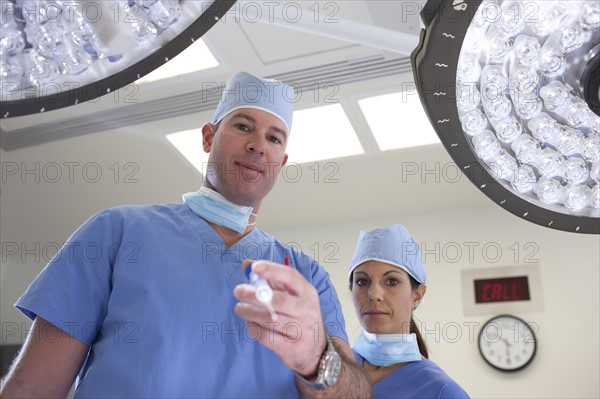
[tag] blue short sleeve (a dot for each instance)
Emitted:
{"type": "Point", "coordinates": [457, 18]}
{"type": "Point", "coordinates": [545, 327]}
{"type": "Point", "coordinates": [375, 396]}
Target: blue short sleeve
{"type": "Point", "coordinates": [335, 325]}
{"type": "Point", "coordinates": [72, 291]}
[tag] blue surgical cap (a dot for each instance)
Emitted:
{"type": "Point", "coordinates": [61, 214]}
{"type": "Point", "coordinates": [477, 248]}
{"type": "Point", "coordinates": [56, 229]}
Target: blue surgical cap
{"type": "Point", "coordinates": [247, 91]}
{"type": "Point", "coordinates": [392, 245]}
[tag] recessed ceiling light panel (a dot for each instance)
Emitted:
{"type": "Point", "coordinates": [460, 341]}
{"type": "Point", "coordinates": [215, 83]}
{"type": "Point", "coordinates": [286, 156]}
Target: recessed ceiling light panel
{"type": "Point", "coordinates": [397, 120]}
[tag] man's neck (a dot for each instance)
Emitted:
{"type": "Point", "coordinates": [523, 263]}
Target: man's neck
{"type": "Point", "coordinates": [229, 236]}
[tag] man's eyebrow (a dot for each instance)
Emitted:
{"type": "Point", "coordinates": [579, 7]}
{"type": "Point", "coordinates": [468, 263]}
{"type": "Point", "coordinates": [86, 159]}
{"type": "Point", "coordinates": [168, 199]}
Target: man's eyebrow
{"type": "Point", "coordinates": [245, 116]}
{"type": "Point", "coordinates": [278, 130]}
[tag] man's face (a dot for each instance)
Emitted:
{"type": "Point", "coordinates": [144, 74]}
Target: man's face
{"type": "Point", "coordinates": [247, 152]}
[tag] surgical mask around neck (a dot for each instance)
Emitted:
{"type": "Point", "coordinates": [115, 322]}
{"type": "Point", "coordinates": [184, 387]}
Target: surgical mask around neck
{"type": "Point", "coordinates": [217, 209]}
{"type": "Point", "coordinates": [387, 349]}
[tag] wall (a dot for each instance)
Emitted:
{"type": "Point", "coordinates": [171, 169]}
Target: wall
{"type": "Point", "coordinates": [566, 364]}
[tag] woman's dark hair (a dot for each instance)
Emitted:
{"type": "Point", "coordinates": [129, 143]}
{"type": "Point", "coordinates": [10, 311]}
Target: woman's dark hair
{"type": "Point", "coordinates": [414, 284]}
{"type": "Point", "coordinates": [413, 326]}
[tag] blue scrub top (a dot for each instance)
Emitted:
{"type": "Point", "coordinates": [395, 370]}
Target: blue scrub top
{"type": "Point", "coordinates": [150, 289]}
{"type": "Point", "coordinates": [417, 380]}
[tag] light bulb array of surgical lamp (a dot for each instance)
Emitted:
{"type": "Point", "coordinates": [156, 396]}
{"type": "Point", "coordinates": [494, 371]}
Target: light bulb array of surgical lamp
{"type": "Point", "coordinates": [55, 53]}
{"type": "Point", "coordinates": [513, 94]}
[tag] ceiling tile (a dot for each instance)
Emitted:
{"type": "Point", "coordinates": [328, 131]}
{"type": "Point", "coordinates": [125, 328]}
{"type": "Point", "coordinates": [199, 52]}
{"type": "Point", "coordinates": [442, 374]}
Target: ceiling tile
{"type": "Point", "coordinates": [301, 44]}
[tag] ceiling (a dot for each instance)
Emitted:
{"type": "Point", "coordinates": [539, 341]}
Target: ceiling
{"type": "Point", "coordinates": [347, 50]}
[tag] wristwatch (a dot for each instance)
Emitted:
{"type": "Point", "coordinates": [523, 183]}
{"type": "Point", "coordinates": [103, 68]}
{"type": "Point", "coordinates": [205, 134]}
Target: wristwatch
{"type": "Point", "coordinates": [330, 366]}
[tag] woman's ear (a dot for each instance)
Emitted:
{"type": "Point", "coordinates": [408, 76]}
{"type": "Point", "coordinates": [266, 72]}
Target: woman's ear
{"type": "Point", "coordinates": [418, 295]}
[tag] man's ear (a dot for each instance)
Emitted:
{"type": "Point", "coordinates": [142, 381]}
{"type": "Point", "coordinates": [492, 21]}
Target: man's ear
{"type": "Point", "coordinates": [208, 134]}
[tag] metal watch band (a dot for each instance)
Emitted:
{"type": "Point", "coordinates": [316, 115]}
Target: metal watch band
{"type": "Point", "coordinates": [330, 366]}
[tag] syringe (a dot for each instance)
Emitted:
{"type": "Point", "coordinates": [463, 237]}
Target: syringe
{"type": "Point", "coordinates": [264, 293]}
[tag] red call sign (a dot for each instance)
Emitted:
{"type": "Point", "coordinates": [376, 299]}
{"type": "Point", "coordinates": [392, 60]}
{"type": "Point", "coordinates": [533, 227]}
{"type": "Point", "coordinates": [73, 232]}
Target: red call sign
{"type": "Point", "coordinates": [504, 289]}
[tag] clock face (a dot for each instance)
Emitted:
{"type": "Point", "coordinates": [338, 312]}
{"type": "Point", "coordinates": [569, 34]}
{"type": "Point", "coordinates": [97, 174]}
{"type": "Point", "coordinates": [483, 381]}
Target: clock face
{"type": "Point", "coordinates": [507, 343]}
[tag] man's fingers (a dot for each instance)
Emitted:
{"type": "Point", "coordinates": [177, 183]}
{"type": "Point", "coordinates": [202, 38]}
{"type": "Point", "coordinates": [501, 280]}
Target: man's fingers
{"type": "Point", "coordinates": [252, 313]}
{"type": "Point", "coordinates": [245, 264]}
{"type": "Point", "coordinates": [282, 302]}
{"type": "Point", "coordinates": [281, 277]}
{"type": "Point", "coordinates": [259, 316]}
{"type": "Point", "coordinates": [261, 327]}
{"type": "Point", "coordinates": [245, 293]}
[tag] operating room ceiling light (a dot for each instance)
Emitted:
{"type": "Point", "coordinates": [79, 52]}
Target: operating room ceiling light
{"type": "Point", "coordinates": [189, 144]}
{"type": "Point", "coordinates": [321, 133]}
{"type": "Point", "coordinates": [56, 53]}
{"type": "Point", "coordinates": [512, 90]}
{"type": "Point", "coordinates": [397, 120]}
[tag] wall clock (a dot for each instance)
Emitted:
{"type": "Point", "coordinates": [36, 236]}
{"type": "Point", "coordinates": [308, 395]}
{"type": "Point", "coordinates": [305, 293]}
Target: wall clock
{"type": "Point", "coordinates": [507, 343]}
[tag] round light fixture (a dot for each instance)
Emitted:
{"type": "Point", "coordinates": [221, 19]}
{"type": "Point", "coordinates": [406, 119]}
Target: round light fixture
{"type": "Point", "coordinates": [56, 53]}
{"type": "Point", "coordinates": [512, 89]}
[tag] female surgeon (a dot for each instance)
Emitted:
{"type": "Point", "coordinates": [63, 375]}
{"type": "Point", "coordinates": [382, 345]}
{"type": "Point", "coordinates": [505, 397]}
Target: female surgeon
{"type": "Point", "coordinates": [387, 280]}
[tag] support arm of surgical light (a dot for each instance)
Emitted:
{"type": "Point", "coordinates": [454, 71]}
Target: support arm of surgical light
{"type": "Point", "coordinates": [338, 28]}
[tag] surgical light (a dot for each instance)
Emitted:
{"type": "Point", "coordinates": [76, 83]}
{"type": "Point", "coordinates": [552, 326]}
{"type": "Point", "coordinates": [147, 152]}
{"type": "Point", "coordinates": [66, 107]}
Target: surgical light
{"type": "Point", "coordinates": [56, 53]}
{"type": "Point", "coordinates": [512, 90]}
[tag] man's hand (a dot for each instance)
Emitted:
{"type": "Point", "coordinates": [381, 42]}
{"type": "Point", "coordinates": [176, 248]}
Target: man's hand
{"type": "Point", "coordinates": [298, 334]}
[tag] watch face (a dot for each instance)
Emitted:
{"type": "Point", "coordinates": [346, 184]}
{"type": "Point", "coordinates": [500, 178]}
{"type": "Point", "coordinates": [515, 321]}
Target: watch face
{"type": "Point", "coordinates": [332, 368]}
{"type": "Point", "coordinates": [507, 343]}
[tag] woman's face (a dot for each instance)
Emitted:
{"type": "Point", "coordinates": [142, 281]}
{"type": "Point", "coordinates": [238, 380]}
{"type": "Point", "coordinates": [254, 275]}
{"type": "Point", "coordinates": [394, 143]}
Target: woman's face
{"type": "Point", "coordinates": [384, 298]}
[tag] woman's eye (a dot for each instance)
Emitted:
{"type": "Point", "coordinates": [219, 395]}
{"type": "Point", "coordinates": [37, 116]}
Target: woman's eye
{"type": "Point", "coordinates": [392, 281]}
{"type": "Point", "coordinates": [361, 282]}
{"type": "Point", "coordinates": [241, 126]}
